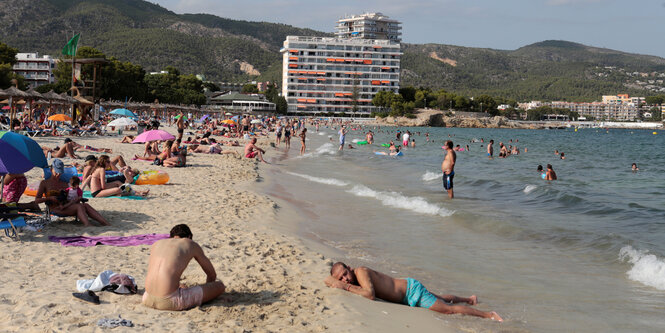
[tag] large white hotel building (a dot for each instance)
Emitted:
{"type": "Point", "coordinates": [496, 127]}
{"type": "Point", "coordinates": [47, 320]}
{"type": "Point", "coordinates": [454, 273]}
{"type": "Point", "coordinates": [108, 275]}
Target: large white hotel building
{"type": "Point", "coordinates": [342, 74]}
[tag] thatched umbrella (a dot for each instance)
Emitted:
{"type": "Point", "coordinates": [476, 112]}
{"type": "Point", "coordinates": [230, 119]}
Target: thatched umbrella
{"type": "Point", "coordinates": [3, 94]}
{"type": "Point", "coordinates": [32, 96]}
{"type": "Point", "coordinates": [12, 92]}
{"type": "Point", "coordinates": [71, 102]}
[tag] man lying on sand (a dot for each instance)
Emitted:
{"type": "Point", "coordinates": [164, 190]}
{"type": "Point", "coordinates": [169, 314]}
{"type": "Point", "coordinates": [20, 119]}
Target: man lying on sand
{"type": "Point", "coordinates": [168, 259]}
{"type": "Point", "coordinates": [372, 284]}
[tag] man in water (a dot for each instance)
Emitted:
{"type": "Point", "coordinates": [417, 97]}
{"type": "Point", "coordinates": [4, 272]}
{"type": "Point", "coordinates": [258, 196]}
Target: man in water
{"type": "Point", "coordinates": [372, 284]}
{"type": "Point", "coordinates": [168, 259]}
{"type": "Point", "coordinates": [342, 137]}
{"type": "Point", "coordinates": [490, 149]}
{"type": "Point", "coordinates": [448, 168]}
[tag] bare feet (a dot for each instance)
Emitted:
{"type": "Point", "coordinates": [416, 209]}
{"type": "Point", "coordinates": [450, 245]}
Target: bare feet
{"type": "Point", "coordinates": [473, 300]}
{"type": "Point", "coordinates": [495, 316]}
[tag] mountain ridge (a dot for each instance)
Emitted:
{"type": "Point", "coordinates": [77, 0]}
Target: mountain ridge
{"type": "Point", "coordinates": [221, 48]}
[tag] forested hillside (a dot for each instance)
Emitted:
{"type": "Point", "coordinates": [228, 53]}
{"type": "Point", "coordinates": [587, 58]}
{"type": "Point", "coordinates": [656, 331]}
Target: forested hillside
{"type": "Point", "coordinates": [231, 50]}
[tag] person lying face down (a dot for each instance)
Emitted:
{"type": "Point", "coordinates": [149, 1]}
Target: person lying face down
{"type": "Point", "coordinates": [372, 284]}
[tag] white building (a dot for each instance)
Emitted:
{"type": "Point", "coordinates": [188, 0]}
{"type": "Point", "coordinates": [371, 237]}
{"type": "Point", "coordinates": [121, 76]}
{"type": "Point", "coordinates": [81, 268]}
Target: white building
{"type": "Point", "coordinates": [322, 74]}
{"type": "Point", "coordinates": [369, 26]}
{"type": "Point", "coordinates": [36, 70]}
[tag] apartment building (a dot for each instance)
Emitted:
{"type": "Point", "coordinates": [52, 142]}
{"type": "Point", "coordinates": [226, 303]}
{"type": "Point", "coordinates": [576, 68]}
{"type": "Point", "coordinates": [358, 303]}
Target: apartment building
{"type": "Point", "coordinates": [36, 70]}
{"type": "Point", "coordinates": [369, 26]}
{"type": "Point", "coordinates": [322, 74]}
{"type": "Point", "coordinates": [602, 111]}
{"type": "Point", "coordinates": [622, 99]}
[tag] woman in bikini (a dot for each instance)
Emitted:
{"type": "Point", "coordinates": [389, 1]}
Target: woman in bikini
{"type": "Point", "coordinates": [158, 159]}
{"type": "Point", "coordinates": [287, 135]}
{"type": "Point", "coordinates": [49, 190]}
{"type": "Point", "coordinates": [100, 188]}
{"type": "Point", "coordinates": [178, 161]}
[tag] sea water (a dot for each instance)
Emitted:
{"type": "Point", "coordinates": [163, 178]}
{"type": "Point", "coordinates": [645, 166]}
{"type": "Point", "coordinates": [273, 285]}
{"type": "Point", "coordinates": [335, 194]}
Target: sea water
{"type": "Point", "coordinates": [585, 253]}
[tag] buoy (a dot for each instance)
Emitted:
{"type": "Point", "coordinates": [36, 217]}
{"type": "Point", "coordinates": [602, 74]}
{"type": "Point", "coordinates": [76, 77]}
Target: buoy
{"type": "Point", "coordinates": [654, 133]}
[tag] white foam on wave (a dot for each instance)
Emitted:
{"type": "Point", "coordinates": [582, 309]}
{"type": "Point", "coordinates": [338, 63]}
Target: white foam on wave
{"type": "Point", "coordinates": [325, 149]}
{"type": "Point", "coordinates": [328, 181]}
{"type": "Point", "coordinates": [356, 140]}
{"type": "Point", "coordinates": [397, 200]}
{"type": "Point", "coordinates": [321, 133]}
{"type": "Point", "coordinates": [530, 188]}
{"type": "Point", "coordinates": [429, 176]}
{"type": "Point", "coordinates": [647, 268]}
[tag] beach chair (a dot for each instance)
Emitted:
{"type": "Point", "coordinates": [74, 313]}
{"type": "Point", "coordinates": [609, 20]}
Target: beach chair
{"type": "Point", "coordinates": [10, 221]}
{"type": "Point", "coordinates": [11, 224]}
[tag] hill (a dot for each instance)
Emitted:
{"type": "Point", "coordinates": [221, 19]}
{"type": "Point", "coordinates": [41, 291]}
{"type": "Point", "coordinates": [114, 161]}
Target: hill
{"type": "Point", "coordinates": [232, 50]}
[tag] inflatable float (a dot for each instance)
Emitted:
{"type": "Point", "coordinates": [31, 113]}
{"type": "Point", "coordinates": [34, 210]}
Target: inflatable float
{"type": "Point", "coordinates": [385, 145]}
{"type": "Point", "coordinates": [153, 177]}
{"type": "Point", "coordinates": [361, 143]}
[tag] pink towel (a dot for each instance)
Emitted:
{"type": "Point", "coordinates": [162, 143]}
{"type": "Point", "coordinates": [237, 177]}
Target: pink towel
{"type": "Point", "coordinates": [84, 241]}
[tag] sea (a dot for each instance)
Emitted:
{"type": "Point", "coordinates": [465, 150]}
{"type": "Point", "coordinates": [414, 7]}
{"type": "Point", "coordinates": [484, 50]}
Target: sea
{"type": "Point", "coordinates": [584, 253]}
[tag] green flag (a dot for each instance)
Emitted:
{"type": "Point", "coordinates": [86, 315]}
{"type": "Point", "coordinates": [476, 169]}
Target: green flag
{"type": "Point", "coordinates": [70, 48]}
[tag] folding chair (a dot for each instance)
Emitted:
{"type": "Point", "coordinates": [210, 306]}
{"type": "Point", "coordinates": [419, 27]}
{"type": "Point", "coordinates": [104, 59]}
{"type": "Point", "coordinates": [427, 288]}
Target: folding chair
{"type": "Point", "coordinates": [11, 222]}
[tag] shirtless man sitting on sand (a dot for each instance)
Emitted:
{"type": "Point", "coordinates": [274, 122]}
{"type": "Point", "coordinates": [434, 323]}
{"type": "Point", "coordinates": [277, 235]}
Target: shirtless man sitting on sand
{"type": "Point", "coordinates": [168, 259]}
{"type": "Point", "coordinates": [252, 151]}
{"type": "Point", "coordinates": [372, 284]}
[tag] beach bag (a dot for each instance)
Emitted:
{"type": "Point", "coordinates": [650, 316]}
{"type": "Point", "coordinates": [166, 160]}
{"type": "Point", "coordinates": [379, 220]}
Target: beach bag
{"type": "Point", "coordinates": [121, 284]}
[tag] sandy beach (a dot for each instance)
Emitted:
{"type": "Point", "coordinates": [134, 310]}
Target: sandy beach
{"type": "Point", "coordinates": [274, 281]}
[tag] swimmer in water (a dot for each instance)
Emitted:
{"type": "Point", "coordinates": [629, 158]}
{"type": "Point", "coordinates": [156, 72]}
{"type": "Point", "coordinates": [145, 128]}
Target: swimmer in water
{"type": "Point", "coordinates": [562, 156]}
{"type": "Point", "coordinates": [541, 171]}
{"type": "Point", "coordinates": [550, 175]}
{"type": "Point", "coordinates": [634, 167]}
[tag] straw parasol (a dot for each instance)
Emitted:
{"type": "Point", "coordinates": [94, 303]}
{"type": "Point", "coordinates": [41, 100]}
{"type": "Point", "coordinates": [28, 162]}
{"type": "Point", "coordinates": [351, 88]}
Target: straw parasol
{"type": "Point", "coordinates": [12, 92]}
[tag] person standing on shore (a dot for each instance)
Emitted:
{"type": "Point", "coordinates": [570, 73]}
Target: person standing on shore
{"type": "Point", "coordinates": [303, 135]}
{"type": "Point", "coordinates": [448, 168]}
{"type": "Point", "coordinates": [490, 149]}
{"type": "Point", "coordinates": [342, 137]}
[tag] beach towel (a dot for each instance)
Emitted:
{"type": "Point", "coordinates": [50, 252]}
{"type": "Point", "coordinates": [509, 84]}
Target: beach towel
{"type": "Point", "coordinates": [88, 195]}
{"type": "Point", "coordinates": [84, 241]}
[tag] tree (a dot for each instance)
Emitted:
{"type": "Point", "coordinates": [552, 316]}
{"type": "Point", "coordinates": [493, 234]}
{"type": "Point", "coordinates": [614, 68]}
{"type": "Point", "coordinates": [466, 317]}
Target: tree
{"type": "Point", "coordinates": [655, 100]}
{"type": "Point", "coordinates": [7, 60]}
{"type": "Point", "coordinates": [656, 113]}
{"type": "Point", "coordinates": [408, 93]}
{"type": "Point", "coordinates": [281, 105]}
{"type": "Point", "coordinates": [7, 54]}
{"type": "Point", "coordinates": [249, 89]}
{"type": "Point", "coordinates": [210, 86]}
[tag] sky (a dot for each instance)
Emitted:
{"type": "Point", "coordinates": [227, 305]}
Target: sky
{"type": "Point", "coordinates": [635, 26]}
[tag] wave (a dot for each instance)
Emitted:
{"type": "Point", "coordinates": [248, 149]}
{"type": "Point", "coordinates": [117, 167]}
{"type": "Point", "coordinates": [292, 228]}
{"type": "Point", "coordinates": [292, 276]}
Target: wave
{"type": "Point", "coordinates": [328, 181]}
{"type": "Point", "coordinates": [356, 140]}
{"type": "Point", "coordinates": [429, 176]}
{"type": "Point", "coordinates": [322, 133]}
{"type": "Point", "coordinates": [647, 268]}
{"type": "Point", "coordinates": [530, 188]}
{"type": "Point", "coordinates": [325, 149]}
{"type": "Point", "coordinates": [397, 200]}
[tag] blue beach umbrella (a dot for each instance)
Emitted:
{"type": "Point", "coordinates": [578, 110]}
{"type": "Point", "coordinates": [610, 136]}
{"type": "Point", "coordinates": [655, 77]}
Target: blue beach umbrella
{"type": "Point", "coordinates": [123, 112]}
{"type": "Point", "coordinates": [19, 153]}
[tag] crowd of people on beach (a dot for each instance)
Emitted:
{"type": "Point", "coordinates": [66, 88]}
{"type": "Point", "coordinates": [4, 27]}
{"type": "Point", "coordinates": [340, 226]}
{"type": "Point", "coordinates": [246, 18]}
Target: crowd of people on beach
{"type": "Point", "coordinates": [105, 174]}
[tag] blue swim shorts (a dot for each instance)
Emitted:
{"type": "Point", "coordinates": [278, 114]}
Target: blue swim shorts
{"type": "Point", "coordinates": [448, 180]}
{"type": "Point", "coordinates": [417, 295]}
